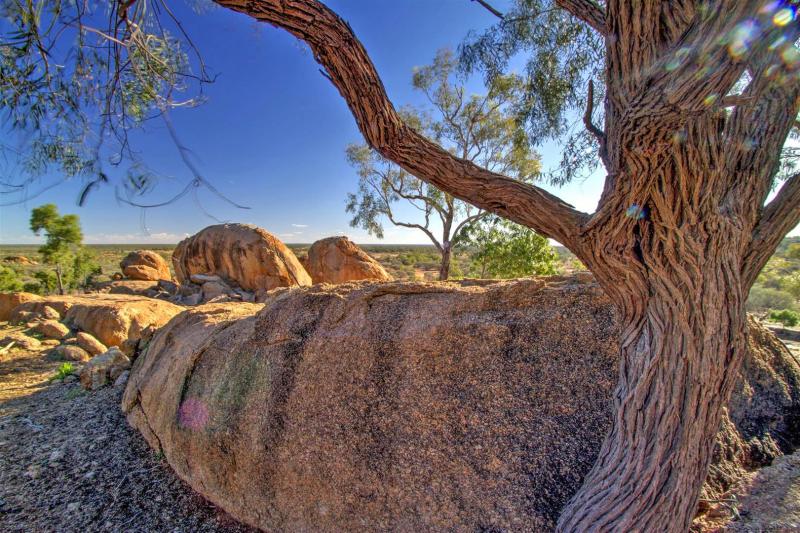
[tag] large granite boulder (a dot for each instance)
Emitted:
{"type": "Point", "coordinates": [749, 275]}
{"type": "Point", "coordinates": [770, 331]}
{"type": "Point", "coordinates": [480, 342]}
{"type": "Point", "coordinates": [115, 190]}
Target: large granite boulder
{"type": "Point", "coordinates": [338, 259]}
{"type": "Point", "coordinates": [243, 255]}
{"type": "Point", "coordinates": [10, 300]}
{"type": "Point", "coordinates": [412, 406]}
{"type": "Point", "coordinates": [145, 265]}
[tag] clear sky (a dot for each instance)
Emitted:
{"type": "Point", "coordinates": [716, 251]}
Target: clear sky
{"type": "Point", "coordinates": [273, 131]}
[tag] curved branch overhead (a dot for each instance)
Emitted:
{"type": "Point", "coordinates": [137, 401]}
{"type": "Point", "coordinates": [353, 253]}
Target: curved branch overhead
{"type": "Point", "coordinates": [588, 11]}
{"type": "Point", "coordinates": [341, 54]}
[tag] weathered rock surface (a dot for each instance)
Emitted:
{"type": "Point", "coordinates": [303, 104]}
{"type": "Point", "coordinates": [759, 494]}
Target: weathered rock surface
{"type": "Point", "coordinates": [127, 286]}
{"type": "Point", "coordinates": [114, 319]}
{"type": "Point", "coordinates": [49, 313]}
{"type": "Point", "coordinates": [338, 259]}
{"type": "Point", "coordinates": [90, 344]}
{"type": "Point", "coordinates": [411, 406]}
{"type": "Point", "coordinates": [10, 300]}
{"type": "Point", "coordinates": [69, 352]}
{"type": "Point", "coordinates": [52, 329]}
{"type": "Point", "coordinates": [110, 318]}
{"type": "Point", "coordinates": [145, 265]}
{"type": "Point", "coordinates": [241, 254]}
{"type": "Point", "coordinates": [104, 369]}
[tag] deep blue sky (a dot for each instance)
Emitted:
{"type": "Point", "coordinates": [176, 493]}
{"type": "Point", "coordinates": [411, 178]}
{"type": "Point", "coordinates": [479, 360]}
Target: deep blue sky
{"type": "Point", "coordinates": [273, 131]}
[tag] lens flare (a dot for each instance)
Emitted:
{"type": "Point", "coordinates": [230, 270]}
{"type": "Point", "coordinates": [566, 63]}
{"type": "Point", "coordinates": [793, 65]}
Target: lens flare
{"type": "Point", "coordinates": [785, 16]}
{"type": "Point", "coordinates": [193, 414]}
{"type": "Point", "coordinates": [678, 59]}
{"type": "Point", "coordinates": [635, 211]}
{"type": "Point", "coordinates": [791, 56]}
{"type": "Point", "coordinates": [742, 37]}
{"type": "Point", "coordinates": [710, 99]}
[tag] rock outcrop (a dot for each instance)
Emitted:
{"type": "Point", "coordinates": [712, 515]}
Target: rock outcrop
{"type": "Point", "coordinates": [110, 318]}
{"type": "Point", "coordinates": [338, 260]}
{"type": "Point", "coordinates": [412, 406]}
{"type": "Point", "coordinates": [145, 265]}
{"type": "Point", "coordinates": [104, 369]}
{"type": "Point", "coordinates": [113, 320]}
{"type": "Point", "coordinates": [10, 300]}
{"type": "Point", "coordinates": [243, 255]}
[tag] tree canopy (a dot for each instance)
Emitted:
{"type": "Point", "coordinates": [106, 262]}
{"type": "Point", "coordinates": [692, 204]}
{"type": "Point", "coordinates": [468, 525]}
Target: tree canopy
{"type": "Point", "coordinates": [480, 128]}
{"type": "Point", "coordinates": [63, 248]}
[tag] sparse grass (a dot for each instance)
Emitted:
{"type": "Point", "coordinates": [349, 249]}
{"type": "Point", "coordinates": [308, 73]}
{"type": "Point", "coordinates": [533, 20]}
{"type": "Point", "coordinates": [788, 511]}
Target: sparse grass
{"type": "Point", "coordinates": [66, 369]}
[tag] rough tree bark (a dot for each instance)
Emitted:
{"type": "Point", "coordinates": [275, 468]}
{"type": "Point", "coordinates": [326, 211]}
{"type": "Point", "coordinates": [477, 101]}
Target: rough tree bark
{"type": "Point", "coordinates": [681, 229]}
{"type": "Point", "coordinates": [444, 267]}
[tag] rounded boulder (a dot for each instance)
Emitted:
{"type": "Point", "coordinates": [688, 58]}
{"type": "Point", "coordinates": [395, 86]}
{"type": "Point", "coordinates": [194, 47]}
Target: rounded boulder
{"type": "Point", "coordinates": [338, 259]}
{"type": "Point", "coordinates": [242, 254]}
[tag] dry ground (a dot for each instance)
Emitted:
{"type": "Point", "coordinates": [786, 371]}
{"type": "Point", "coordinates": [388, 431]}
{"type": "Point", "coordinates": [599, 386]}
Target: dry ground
{"type": "Point", "coordinates": [70, 462]}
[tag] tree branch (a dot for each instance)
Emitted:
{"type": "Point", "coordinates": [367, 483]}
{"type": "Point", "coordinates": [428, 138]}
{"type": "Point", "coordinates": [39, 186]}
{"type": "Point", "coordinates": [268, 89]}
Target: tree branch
{"type": "Point", "coordinates": [594, 130]}
{"type": "Point", "coordinates": [337, 49]}
{"type": "Point", "coordinates": [490, 9]}
{"type": "Point", "coordinates": [588, 11]}
{"type": "Point", "coordinates": [463, 224]}
{"type": "Point", "coordinates": [777, 219]}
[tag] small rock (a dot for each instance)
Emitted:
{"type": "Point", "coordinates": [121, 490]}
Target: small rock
{"type": "Point", "coordinates": [122, 379]}
{"type": "Point", "coordinates": [56, 456]}
{"type": "Point", "coordinates": [90, 344]}
{"type": "Point", "coordinates": [32, 471]}
{"type": "Point", "coordinates": [104, 368]}
{"type": "Point", "coordinates": [200, 279]}
{"type": "Point", "coordinates": [72, 507]}
{"type": "Point", "coordinates": [50, 314]}
{"type": "Point", "coordinates": [72, 378]}
{"type": "Point", "coordinates": [192, 299]}
{"type": "Point", "coordinates": [169, 286]}
{"type": "Point", "coordinates": [50, 343]}
{"type": "Point", "coordinates": [52, 329]}
{"type": "Point", "coordinates": [21, 317]}
{"type": "Point", "coordinates": [117, 276]}
{"type": "Point", "coordinates": [69, 352]}
{"type": "Point", "coordinates": [214, 289]}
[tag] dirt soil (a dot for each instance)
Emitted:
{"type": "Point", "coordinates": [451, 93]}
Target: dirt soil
{"type": "Point", "coordinates": [70, 462]}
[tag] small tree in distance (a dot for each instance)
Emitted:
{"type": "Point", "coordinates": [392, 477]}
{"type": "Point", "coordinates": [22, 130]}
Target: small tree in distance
{"type": "Point", "coordinates": [479, 128]}
{"type": "Point", "coordinates": [63, 248]}
{"type": "Point", "coordinates": [507, 250]}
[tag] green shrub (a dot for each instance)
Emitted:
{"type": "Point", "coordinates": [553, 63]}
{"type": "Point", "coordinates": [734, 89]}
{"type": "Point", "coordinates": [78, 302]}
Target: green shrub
{"type": "Point", "coordinates": [787, 317]}
{"type": "Point", "coordinates": [9, 281]}
{"type": "Point", "coordinates": [63, 371]}
{"type": "Point", "coordinates": [762, 298]}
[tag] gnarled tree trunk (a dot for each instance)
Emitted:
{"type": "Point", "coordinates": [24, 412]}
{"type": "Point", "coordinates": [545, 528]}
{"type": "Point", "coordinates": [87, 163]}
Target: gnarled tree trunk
{"type": "Point", "coordinates": [682, 345]}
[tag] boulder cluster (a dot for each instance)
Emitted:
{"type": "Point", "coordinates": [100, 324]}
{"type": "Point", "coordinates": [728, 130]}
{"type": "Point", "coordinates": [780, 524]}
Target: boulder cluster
{"type": "Point", "coordinates": [239, 263]}
{"type": "Point", "coordinates": [98, 334]}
